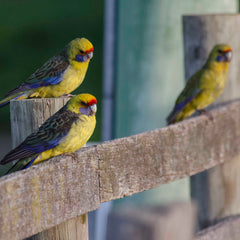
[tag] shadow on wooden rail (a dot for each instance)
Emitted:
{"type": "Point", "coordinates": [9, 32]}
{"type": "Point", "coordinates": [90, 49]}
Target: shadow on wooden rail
{"type": "Point", "coordinates": [65, 187]}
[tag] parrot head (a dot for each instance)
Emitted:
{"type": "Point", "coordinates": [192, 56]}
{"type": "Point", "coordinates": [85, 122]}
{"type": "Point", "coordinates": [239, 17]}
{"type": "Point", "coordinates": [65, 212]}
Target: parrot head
{"type": "Point", "coordinates": [83, 103]}
{"type": "Point", "coordinates": [221, 53]}
{"type": "Point", "coordinates": [79, 50]}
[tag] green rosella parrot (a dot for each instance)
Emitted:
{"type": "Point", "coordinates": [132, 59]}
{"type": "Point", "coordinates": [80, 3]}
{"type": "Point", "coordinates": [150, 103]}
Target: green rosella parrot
{"type": "Point", "coordinates": [204, 86]}
{"type": "Point", "coordinates": [60, 75]}
{"type": "Point", "coordinates": [64, 132]}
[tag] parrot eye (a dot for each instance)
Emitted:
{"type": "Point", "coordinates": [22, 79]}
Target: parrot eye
{"type": "Point", "coordinates": [81, 51]}
{"type": "Point", "coordinates": [84, 104]}
{"type": "Point", "coordinates": [220, 51]}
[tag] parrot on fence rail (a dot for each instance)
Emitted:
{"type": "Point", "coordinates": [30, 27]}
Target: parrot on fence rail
{"type": "Point", "coordinates": [64, 132]}
{"type": "Point", "coordinates": [60, 75]}
{"type": "Point", "coordinates": [204, 86]}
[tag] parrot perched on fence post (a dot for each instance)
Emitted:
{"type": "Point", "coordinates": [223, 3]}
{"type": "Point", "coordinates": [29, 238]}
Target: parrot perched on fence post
{"type": "Point", "coordinates": [60, 75]}
{"type": "Point", "coordinates": [64, 132]}
{"type": "Point", "coordinates": [204, 86]}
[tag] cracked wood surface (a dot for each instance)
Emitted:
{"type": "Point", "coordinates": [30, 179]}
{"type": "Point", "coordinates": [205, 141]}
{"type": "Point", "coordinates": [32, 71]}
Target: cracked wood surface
{"type": "Point", "coordinates": [50, 193]}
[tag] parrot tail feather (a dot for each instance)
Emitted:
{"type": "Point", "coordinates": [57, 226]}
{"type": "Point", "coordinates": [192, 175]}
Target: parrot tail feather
{"type": "Point", "coordinates": [21, 164]}
{"type": "Point", "coordinates": [5, 101]}
{"type": "Point", "coordinates": [30, 163]}
{"type": "Point", "coordinates": [171, 117]}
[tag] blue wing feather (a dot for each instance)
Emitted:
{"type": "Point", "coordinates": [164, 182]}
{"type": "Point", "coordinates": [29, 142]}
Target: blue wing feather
{"type": "Point", "coordinates": [179, 106]}
{"type": "Point", "coordinates": [45, 82]}
{"type": "Point", "coordinates": [30, 163]}
{"type": "Point", "coordinates": [43, 146]}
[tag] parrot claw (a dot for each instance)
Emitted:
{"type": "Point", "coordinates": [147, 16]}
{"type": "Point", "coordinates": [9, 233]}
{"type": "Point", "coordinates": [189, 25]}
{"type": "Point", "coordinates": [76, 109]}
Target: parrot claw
{"type": "Point", "coordinates": [67, 95]}
{"type": "Point", "coordinates": [207, 113]}
{"type": "Point", "coordinates": [73, 155]}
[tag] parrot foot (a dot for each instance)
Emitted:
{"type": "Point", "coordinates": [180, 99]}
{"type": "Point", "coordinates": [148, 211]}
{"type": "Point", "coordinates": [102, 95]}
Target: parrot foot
{"type": "Point", "coordinates": [67, 95]}
{"type": "Point", "coordinates": [73, 155]}
{"type": "Point", "coordinates": [207, 113]}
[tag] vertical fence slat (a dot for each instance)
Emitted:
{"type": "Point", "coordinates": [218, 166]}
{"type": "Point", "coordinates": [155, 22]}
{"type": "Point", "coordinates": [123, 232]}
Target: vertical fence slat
{"type": "Point", "coordinates": [26, 117]}
{"type": "Point", "coordinates": [74, 229]}
{"type": "Point", "coordinates": [217, 190]}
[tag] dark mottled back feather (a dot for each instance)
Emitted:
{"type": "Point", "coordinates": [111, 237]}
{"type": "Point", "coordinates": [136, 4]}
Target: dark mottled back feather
{"type": "Point", "coordinates": [48, 136]}
{"type": "Point", "coordinates": [191, 90]}
{"type": "Point", "coordinates": [49, 74]}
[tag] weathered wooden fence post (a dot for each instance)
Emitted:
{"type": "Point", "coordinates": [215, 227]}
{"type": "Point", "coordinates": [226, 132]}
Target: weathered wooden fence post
{"type": "Point", "coordinates": [26, 117]}
{"type": "Point", "coordinates": [216, 190]}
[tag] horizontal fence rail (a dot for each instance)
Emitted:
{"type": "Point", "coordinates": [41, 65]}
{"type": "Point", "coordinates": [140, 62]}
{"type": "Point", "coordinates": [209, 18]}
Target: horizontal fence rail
{"type": "Point", "coordinates": [68, 186]}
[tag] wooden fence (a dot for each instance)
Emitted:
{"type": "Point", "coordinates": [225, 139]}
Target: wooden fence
{"type": "Point", "coordinates": [52, 199]}
{"type": "Point", "coordinates": [46, 195]}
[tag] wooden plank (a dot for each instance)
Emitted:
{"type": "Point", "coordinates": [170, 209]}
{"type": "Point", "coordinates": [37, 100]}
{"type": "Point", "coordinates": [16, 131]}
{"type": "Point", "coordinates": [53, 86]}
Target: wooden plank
{"type": "Point", "coordinates": [153, 222]}
{"type": "Point", "coordinates": [46, 195]}
{"type": "Point", "coordinates": [229, 228]}
{"type": "Point", "coordinates": [73, 229]}
{"type": "Point", "coordinates": [217, 190]}
{"type": "Point", "coordinates": [52, 192]}
{"type": "Point", "coordinates": [140, 162]}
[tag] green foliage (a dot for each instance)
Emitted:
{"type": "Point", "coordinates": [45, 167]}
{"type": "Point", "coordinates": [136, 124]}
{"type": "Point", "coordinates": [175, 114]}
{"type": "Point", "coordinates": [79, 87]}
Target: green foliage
{"type": "Point", "coordinates": [33, 31]}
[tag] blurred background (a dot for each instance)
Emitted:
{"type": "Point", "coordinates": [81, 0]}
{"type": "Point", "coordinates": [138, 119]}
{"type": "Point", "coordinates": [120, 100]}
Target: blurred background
{"type": "Point", "coordinates": [136, 72]}
{"type": "Point", "coordinates": [33, 31]}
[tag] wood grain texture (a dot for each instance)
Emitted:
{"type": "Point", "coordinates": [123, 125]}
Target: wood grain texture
{"type": "Point", "coordinates": [226, 229]}
{"type": "Point", "coordinates": [217, 190]}
{"type": "Point", "coordinates": [50, 193]}
{"type": "Point", "coordinates": [153, 223]}
{"type": "Point", "coordinates": [73, 229]}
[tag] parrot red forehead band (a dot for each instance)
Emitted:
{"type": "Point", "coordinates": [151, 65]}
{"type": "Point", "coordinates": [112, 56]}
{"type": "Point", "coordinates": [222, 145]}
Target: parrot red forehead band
{"type": "Point", "coordinates": [93, 101]}
{"type": "Point", "coordinates": [89, 50]}
{"type": "Point", "coordinates": [227, 50]}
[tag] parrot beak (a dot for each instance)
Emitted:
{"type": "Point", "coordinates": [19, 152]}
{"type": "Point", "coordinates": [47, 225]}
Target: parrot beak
{"type": "Point", "coordinates": [94, 108]}
{"type": "Point", "coordinates": [228, 56]}
{"type": "Point", "coordinates": [90, 55]}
